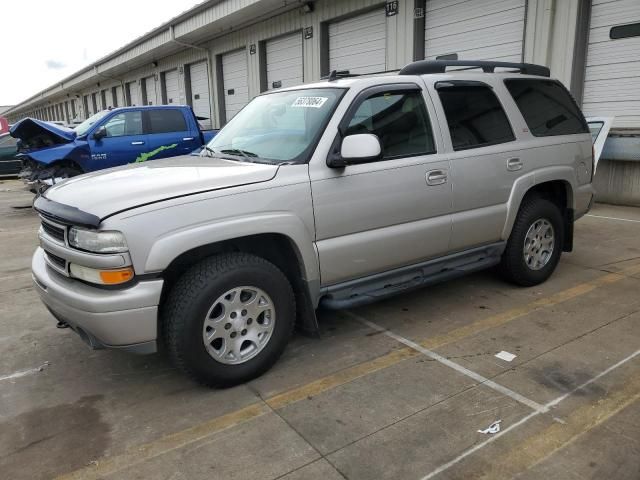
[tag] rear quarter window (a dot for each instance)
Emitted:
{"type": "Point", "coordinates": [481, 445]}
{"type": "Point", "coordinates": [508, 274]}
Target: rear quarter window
{"type": "Point", "coordinates": [547, 107]}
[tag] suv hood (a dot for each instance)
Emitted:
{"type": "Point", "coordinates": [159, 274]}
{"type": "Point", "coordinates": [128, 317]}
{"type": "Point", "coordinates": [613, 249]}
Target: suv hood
{"type": "Point", "coordinates": [117, 189]}
{"type": "Point", "coordinates": [31, 128]}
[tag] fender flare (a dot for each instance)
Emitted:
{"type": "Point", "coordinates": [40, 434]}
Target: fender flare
{"type": "Point", "coordinates": [175, 243]}
{"type": "Point", "coordinates": [524, 184]}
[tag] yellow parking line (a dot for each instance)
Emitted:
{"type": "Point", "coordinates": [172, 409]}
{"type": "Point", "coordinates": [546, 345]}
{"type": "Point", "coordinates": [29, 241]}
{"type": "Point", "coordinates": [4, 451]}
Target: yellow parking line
{"type": "Point", "coordinates": [541, 446]}
{"type": "Point", "coordinates": [177, 440]}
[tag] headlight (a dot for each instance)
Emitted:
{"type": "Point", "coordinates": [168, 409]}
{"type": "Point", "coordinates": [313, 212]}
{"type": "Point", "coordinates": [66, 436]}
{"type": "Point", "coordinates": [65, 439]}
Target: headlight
{"type": "Point", "coordinates": [109, 241]}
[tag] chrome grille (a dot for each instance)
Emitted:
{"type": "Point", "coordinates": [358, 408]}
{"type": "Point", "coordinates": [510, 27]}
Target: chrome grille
{"type": "Point", "coordinates": [53, 231]}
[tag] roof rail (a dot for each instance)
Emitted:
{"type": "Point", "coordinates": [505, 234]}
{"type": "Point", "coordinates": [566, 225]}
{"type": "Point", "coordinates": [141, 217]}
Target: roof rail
{"type": "Point", "coordinates": [423, 67]}
{"type": "Point", "coordinates": [336, 74]}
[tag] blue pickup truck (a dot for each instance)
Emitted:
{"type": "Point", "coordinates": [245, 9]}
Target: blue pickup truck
{"type": "Point", "coordinates": [51, 153]}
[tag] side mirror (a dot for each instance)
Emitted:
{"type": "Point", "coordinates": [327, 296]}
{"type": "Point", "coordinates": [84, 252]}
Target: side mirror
{"type": "Point", "coordinates": [101, 132]}
{"type": "Point", "coordinates": [359, 148]}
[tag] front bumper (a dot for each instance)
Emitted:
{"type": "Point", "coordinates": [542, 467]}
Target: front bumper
{"type": "Point", "coordinates": [125, 319]}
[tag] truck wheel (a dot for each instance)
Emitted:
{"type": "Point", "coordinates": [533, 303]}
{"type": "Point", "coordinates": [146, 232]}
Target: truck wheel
{"type": "Point", "coordinates": [535, 244]}
{"type": "Point", "coordinates": [228, 319]}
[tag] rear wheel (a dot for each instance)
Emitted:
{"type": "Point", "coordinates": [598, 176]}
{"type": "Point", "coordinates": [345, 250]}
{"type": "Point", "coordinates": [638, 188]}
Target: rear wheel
{"type": "Point", "coordinates": [535, 244]}
{"type": "Point", "coordinates": [228, 319]}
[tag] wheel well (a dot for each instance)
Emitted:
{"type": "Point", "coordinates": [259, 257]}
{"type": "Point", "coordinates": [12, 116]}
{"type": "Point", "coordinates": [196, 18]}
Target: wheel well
{"type": "Point", "coordinates": [273, 247]}
{"type": "Point", "coordinates": [560, 193]}
{"type": "Point", "coordinates": [65, 162]}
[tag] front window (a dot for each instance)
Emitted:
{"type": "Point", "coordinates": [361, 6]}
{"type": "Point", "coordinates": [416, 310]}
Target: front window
{"type": "Point", "coordinates": [124, 124]}
{"type": "Point", "coordinates": [277, 127]}
{"type": "Point", "coordinates": [84, 127]}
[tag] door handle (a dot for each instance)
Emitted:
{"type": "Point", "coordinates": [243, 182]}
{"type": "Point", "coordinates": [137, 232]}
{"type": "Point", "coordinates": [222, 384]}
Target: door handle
{"type": "Point", "coordinates": [514, 164]}
{"type": "Point", "coordinates": [137, 143]}
{"type": "Point", "coordinates": [186, 139]}
{"type": "Point", "coordinates": [436, 177]}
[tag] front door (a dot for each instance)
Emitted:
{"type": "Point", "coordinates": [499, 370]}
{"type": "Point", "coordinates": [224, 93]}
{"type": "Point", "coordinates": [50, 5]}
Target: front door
{"type": "Point", "coordinates": [124, 143]}
{"type": "Point", "coordinates": [391, 212]}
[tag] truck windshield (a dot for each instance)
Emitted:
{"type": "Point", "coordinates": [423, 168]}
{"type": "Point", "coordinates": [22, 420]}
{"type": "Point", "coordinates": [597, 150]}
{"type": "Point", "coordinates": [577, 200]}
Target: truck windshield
{"type": "Point", "coordinates": [278, 127]}
{"type": "Point", "coordinates": [86, 125]}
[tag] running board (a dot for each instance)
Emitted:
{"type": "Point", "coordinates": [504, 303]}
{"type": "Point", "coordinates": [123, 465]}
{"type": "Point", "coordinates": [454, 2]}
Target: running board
{"type": "Point", "coordinates": [382, 285]}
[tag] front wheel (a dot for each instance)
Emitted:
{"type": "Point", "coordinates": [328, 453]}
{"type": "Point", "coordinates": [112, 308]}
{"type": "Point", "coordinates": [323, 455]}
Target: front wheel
{"type": "Point", "coordinates": [535, 244]}
{"type": "Point", "coordinates": [228, 319]}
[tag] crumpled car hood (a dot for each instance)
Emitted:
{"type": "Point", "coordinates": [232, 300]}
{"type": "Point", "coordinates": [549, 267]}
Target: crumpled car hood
{"type": "Point", "coordinates": [29, 128]}
{"type": "Point", "coordinates": [106, 192]}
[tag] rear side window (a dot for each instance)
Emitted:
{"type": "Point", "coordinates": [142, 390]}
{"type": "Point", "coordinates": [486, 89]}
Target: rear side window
{"type": "Point", "coordinates": [166, 120]}
{"type": "Point", "coordinates": [547, 107]}
{"type": "Point", "coordinates": [474, 115]}
{"type": "Point", "coordinates": [400, 121]}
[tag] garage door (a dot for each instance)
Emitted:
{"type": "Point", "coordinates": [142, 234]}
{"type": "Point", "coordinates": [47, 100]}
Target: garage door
{"type": "Point", "coordinates": [284, 61]}
{"type": "Point", "coordinates": [358, 44]}
{"type": "Point", "coordinates": [86, 101]}
{"type": "Point", "coordinates": [171, 89]}
{"type": "Point", "coordinates": [119, 97]}
{"type": "Point", "coordinates": [134, 94]}
{"type": "Point", "coordinates": [611, 85]}
{"type": "Point", "coordinates": [150, 90]}
{"type": "Point", "coordinates": [200, 98]}
{"type": "Point", "coordinates": [234, 80]}
{"type": "Point", "coordinates": [475, 29]}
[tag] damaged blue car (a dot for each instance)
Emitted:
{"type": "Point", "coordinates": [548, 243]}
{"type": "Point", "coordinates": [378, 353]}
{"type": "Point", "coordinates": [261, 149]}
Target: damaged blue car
{"type": "Point", "coordinates": [51, 153]}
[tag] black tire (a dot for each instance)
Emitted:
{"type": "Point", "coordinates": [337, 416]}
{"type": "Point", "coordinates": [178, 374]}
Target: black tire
{"type": "Point", "coordinates": [184, 312]}
{"type": "Point", "coordinates": [513, 266]}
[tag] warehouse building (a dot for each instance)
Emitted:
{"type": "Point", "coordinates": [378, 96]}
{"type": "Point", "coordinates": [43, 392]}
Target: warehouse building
{"type": "Point", "coordinates": [220, 54]}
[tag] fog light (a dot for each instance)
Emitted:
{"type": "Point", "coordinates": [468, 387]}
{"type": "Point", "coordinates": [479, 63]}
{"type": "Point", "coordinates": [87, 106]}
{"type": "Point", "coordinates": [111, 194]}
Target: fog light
{"type": "Point", "coordinates": [101, 277]}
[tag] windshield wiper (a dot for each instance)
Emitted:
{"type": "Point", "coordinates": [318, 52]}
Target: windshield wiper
{"type": "Point", "coordinates": [236, 151]}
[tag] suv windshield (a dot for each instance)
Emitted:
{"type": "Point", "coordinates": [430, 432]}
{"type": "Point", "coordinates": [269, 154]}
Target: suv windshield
{"type": "Point", "coordinates": [277, 127]}
{"type": "Point", "coordinates": [86, 125]}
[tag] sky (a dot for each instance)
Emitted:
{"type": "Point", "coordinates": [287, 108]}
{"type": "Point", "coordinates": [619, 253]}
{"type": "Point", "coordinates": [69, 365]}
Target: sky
{"type": "Point", "coordinates": [45, 41]}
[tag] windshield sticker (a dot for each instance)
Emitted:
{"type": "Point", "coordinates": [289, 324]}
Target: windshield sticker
{"type": "Point", "coordinates": [309, 102]}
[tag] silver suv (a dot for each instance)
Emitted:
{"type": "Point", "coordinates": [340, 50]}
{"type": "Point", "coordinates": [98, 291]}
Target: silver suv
{"type": "Point", "coordinates": [330, 194]}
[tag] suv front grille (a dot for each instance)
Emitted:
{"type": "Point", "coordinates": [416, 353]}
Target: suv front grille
{"type": "Point", "coordinates": [57, 261]}
{"type": "Point", "coordinates": [53, 231]}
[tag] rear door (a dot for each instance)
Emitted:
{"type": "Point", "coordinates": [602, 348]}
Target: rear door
{"type": "Point", "coordinates": [485, 161]}
{"type": "Point", "coordinates": [168, 133]}
{"type": "Point", "coordinates": [599, 128]}
{"type": "Point", "coordinates": [125, 141]}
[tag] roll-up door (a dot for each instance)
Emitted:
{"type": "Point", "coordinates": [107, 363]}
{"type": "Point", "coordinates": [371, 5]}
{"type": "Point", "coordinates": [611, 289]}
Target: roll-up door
{"type": "Point", "coordinates": [284, 61]}
{"type": "Point", "coordinates": [118, 97]}
{"type": "Point", "coordinates": [133, 94]}
{"type": "Point", "coordinates": [475, 29]}
{"type": "Point", "coordinates": [234, 80]}
{"type": "Point", "coordinates": [171, 88]}
{"type": "Point", "coordinates": [150, 91]}
{"type": "Point", "coordinates": [359, 44]}
{"type": "Point", "coordinates": [87, 106]}
{"type": "Point", "coordinates": [200, 98]}
{"type": "Point", "coordinates": [611, 84]}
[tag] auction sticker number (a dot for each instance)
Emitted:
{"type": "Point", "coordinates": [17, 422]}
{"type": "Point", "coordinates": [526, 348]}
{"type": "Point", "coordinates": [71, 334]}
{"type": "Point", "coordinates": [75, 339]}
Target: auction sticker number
{"type": "Point", "coordinates": [309, 102]}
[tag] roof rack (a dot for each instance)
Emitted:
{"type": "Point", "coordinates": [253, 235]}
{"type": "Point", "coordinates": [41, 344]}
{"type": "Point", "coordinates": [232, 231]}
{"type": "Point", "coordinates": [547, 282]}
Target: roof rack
{"type": "Point", "coordinates": [423, 67]}
{"type": "Point", "coordinates": [336, 74]}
